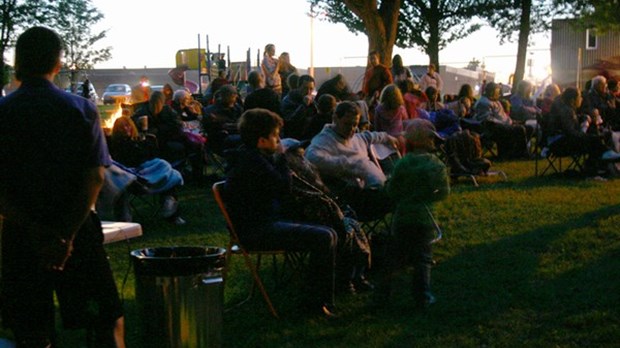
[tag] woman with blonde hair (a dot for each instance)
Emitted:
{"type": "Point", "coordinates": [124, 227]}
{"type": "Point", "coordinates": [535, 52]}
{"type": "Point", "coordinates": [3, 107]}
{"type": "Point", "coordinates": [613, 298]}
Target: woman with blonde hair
{"type": "Point", "coordinates": [390, 113]}
{"type": "Point", "coordinates": [286, 69]}
{"type": "Point", "coordinates": [138, 155]}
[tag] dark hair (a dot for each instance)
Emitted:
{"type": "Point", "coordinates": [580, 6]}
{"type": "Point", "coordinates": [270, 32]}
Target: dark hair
{"type": "Point", "coordinates": [431, 93]}
{"type": "Point", "coordinates": [257, 123]}
{"type": "Point", "coordinates": [326, 103]}
{"type": "Point", "coordinates": [346, 108]}
{"type": "Point", "coordinates": [304, 79]}
{"type": "Point", "coordinates": [37, 52]}
{"type": "Point", "coordinates": [489, 88]}
{"type": "Point", "coordinates": [569, 94]}
{"type": "Point", "coordinates": [254, 78]}
{"type": "Point", "coordinates": [292, 81]}
{"type": "Point", "coordinates": [466, 91]}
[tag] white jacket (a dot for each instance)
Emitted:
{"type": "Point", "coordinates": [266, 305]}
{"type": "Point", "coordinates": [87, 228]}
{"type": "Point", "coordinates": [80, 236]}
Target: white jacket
{"type": "Point", "coordinates": [347, 159]}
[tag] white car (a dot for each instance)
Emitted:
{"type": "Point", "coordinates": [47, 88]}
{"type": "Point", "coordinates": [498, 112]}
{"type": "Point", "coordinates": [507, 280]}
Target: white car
{"type": "Point", "coordinates": [117, 93]}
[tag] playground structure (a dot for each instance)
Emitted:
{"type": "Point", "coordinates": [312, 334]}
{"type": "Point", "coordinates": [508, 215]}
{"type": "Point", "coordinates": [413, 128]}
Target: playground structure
{"type": "Point", "coordinates": [208, 64]}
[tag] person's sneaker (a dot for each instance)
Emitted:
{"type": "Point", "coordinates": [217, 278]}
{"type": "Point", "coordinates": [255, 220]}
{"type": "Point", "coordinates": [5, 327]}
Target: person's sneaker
{"type": "Point", "coordinates": [169, 207]}
{"type": "Point", "coordinates": [179, 221]}
{"type": "Point", "coordinates": [426, 300]}
{"type": "Point", "coordinates": [610, 155]}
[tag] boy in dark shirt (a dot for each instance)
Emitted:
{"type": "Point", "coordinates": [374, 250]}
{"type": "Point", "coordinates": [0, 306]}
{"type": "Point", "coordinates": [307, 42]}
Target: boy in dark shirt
{"type": "Point", "coordinates": [256, 184]}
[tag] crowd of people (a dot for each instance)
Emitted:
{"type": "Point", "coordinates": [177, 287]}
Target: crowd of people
{"type": "Point", "coordinates": [327, 161]}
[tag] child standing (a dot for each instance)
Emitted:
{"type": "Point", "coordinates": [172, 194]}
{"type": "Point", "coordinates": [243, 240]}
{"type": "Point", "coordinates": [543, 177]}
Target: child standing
{"type": "Point", "coordinates": [419, 179]}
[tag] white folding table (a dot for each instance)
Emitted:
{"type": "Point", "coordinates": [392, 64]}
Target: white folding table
{"type": "Point", "coordinates": [114, 231]}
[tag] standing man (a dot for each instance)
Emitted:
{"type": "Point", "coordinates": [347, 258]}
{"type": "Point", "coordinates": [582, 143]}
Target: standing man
{"type": "Point", "coordinates": [52, 158]}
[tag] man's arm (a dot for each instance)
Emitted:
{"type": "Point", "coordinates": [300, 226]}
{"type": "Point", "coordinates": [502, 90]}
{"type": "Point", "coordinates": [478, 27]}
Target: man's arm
{"type": "Point", "coordinates": [55, 252]}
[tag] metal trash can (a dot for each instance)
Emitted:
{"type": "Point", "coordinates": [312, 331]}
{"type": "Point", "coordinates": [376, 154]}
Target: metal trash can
{"type": "Point", "coordinates": [180, 294]}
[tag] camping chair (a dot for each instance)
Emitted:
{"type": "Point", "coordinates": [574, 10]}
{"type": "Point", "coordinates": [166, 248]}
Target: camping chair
{"type": "Point", "coordinates": [291, 259]}
{"type": "Point", "coordinates": [554, 154]}
{"type": "Point", "coordinates": [449, 145]}
{"type": "Point", "coordinates": [489, 146]}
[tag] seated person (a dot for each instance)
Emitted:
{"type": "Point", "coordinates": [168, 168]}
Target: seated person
{"type": "Point", "coordinates": [311, 201]}
{"type": "Point", "coordinates": [598, 103]}
{"type": "Point", "coordinates": [338, 87]}
{"type": "Point", "coordinates": [298, 108]}
{"type": "Point", "coordinates": [461, 107]}
{"type": "Point", "coordinates": [433, 103]}
{"type": "Point", "coordinates": [342, 157]}
{"type": "Point", "coordinates": [511, 138]}
{"type": "Point", "coordinates": [174, 143]}
{"type": "Point", "coordinates": [184, 104]}
{"type": "Point", "coordinates": [325, 106]}
{"type": "Point", "coordinates": [220, 119]}
{"type": "Point", "coordinates": [260, 96]}
{"type": "Point", "coordinates": [523, 107]}
{"type": "Point", "coordinates": [414, 98]}
{"type": "Point", "coordinates": [257, 182]}
{"type": "Point", "coordinates": [156, 175]}
{"type": "Point", "coordinates": [567, 131]}
{"type": "Point", "coordinates": [390, 113]}
{"type": "Point", "coordinates": [214, 86]}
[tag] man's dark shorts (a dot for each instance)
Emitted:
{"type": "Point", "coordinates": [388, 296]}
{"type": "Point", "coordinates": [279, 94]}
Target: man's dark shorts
{"type": "Point", "coordinates": [85, 290]}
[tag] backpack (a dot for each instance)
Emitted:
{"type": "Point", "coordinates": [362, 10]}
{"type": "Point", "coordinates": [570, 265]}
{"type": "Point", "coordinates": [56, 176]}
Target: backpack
{"type": "Point", "coordinates": [464, 154]}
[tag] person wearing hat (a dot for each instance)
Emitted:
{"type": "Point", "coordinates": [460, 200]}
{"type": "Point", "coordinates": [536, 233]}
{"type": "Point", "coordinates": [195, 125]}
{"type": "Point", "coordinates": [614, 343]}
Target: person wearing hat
{"type": "Point", "coordinates": [419, 179]}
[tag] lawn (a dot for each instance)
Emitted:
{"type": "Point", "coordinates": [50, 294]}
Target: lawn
{"type": "Point", "coordinates": [527, 262]}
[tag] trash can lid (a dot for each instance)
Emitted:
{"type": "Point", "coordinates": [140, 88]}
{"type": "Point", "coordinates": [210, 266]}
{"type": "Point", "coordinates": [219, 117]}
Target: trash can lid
{"type": "Point", "coordinates": [178, 260]}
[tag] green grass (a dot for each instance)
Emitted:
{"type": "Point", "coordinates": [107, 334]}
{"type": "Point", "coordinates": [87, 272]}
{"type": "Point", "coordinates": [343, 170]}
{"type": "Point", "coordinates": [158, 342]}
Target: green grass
{"type": "Point", "coordinates": [529, 262]}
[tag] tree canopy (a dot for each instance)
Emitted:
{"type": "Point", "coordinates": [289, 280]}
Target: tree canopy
{"type": "Point", "coordinates": [429, 25]}
{"type": "Point", "coordinates": [71, 19]}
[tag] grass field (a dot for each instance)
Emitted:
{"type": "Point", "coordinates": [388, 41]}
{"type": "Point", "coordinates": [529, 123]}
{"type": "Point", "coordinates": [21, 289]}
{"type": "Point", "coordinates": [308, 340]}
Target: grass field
{"type": "Point", "coordinates": [531, 262]}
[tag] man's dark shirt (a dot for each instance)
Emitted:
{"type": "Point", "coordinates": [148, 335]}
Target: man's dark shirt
{"type": "Point", "coordinates": [255, 186]}
{"type": "Point", "coordinates": [264, 98]}
{"type": "Point", "coordinates": [48, 139]}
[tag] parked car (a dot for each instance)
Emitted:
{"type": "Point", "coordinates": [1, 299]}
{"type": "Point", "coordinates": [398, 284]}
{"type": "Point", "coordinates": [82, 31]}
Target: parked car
{"type": "Point", "coordinates": [156, 88]}
{"type": "Point", "coordinates": [78, 91]}
{"type": "Point", "coordinates": [117, 93]}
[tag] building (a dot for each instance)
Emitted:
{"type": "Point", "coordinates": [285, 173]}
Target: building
{"type": "Point", "coordinates": [579, 54]}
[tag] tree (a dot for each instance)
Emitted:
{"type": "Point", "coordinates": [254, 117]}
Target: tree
{"type": "Point", "coordinates": [17, 15]}
{"type": "Point", "coordinates": [432, 24]}
{"type": "Point", "coordinates": [427, 24]}
{"type": "Point", "coordinates": [73, 20]}
{"type": "Point", "coordinates": [604, 15]}
{"type": "Point", "coordinates": [532, 16]}
{"type": "Point", "coordinates": [473, 64]}
{"type": "Point", "coordinates": [378, 20]}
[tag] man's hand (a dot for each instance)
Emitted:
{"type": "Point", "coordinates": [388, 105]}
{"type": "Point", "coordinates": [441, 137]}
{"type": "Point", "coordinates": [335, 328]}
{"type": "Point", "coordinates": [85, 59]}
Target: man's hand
{"type": "Point", "coordinates": [55, 253]}
{"type": "Point", "coordinates": [393, 142]}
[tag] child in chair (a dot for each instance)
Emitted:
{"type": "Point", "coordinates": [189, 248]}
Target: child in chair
{"type": "Point", "coordinates": [419, 179]}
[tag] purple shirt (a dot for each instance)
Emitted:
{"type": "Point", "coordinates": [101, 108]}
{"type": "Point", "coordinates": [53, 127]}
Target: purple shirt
{"type": "Point", "coordinates": [48, 140]}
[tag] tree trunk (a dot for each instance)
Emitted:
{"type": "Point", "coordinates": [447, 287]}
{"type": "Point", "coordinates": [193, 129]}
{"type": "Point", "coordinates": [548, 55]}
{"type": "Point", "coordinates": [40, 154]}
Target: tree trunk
{"type": "Point", "coordinates": [434, 35]}
{"type": "Point", "coordinates": [381, 24]}
{"type": "Point", "coordinates": [524, 34]}
{"type": "Point", "coordinates": [3, 78]}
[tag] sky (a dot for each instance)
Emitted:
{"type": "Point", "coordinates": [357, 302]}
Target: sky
{"type": "Point", "coordinates": [146, 33]}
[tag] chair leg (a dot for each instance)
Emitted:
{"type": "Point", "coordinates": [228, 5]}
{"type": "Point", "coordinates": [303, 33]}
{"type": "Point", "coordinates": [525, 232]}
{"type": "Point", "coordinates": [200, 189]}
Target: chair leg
{"type": "Point", "coordinates": [259, 283]}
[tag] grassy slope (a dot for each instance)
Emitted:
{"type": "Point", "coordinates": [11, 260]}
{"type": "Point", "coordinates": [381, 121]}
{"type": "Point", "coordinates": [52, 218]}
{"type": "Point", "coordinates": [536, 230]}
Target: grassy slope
{"type": "Point", "coordinates": [528, 262]}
